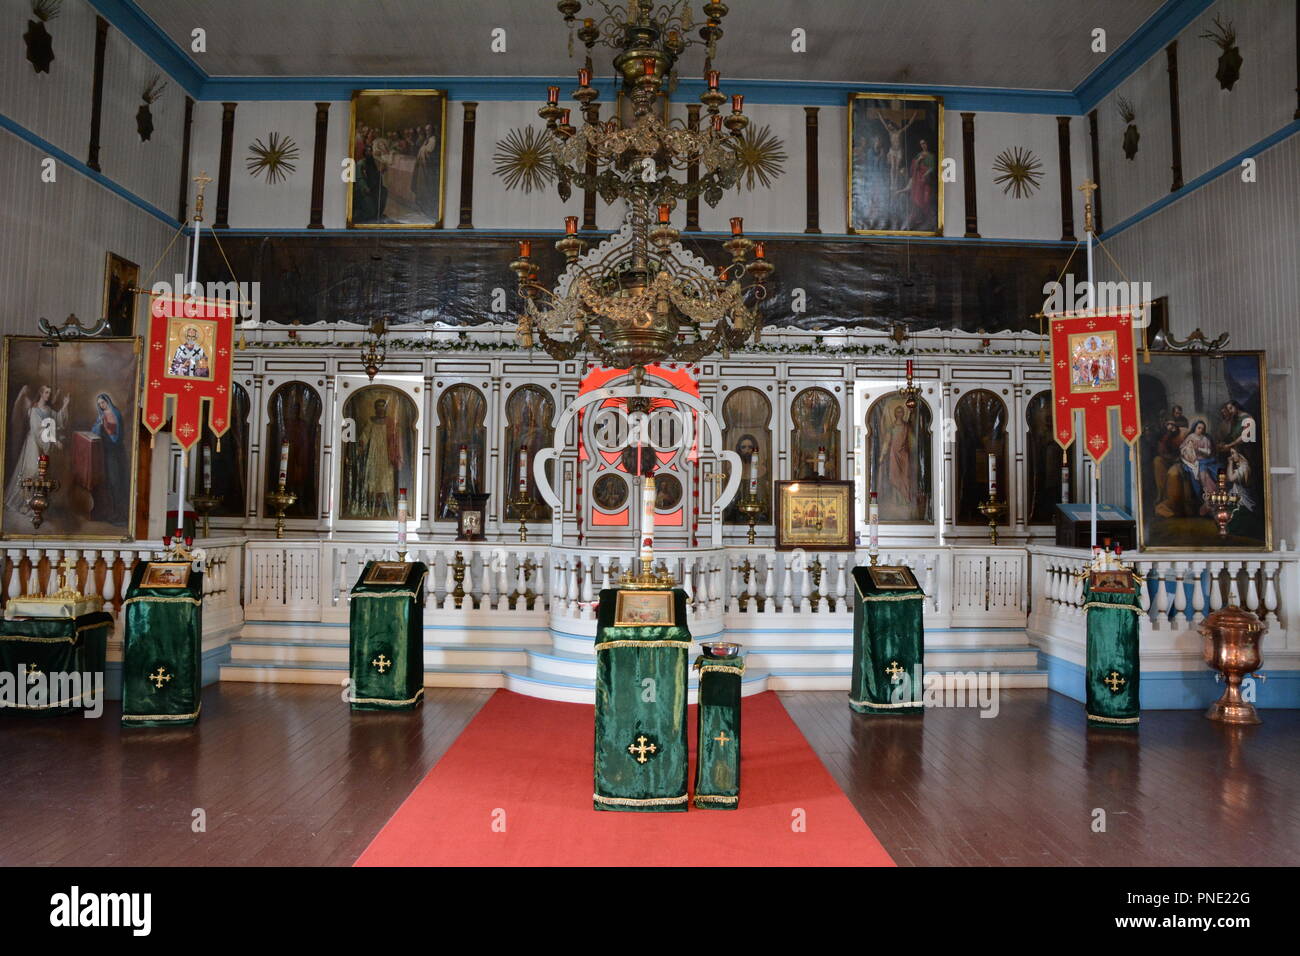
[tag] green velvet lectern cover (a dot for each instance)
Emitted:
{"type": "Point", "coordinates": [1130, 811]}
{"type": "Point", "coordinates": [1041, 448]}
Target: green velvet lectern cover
{"type": "Point", "coordinates": [49, 650]}
{"type": "Point", "coordinates": [386, 621]}
{"type": "Point", "coordinates": [717, 762]}
{"type": "Point", "coordinates": [162, 650]}
{"type": "Point", "coordinates": [888, 648]}
{"type": "Point", "coordinates": [1112, 699]}
{"type": "Point", "coordinates": [641, 753]}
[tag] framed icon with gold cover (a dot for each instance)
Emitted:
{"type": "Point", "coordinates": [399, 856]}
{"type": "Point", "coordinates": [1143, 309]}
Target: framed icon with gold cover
{"type": "Point", "coordinates": [166, 574]}
{"type": "Point", "coordinates": [892, 577]}
{"type": "Point", "coordinates": [644, 609]}
{"type": "Point", "coordinates": [388, 572]}
{"type": "Point", "coordinates": [814, 514]}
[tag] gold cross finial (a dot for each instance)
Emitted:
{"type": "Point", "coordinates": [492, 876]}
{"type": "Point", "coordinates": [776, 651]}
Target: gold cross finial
{"type": "Point", "coordinates": [1088, 188]}
{"type": "Point", "coordinates": [202, 180]}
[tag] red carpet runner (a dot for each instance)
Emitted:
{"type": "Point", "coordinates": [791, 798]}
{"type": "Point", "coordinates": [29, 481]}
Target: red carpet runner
{"type": "Point", "coordinates": [528, 762]}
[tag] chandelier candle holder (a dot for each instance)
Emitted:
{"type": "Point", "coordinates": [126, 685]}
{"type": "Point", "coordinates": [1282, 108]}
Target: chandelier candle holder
{"type": "Point", "coordinates": [374, 348]}
{"type": "Point", "coordinates": [281, 499]}
{"type": "Point", "coordinates": [911, 390]}
{"type": "Point", "coordinates": [39, 488]}
{"type": "Point", "coordinates": [205, 503]}
{"type": "Point", "coordinates": [991, 507]}
{"type": "Point", "coordinates": [638, 297]}
{"type": "Point", "coordinates": [1224, 503]}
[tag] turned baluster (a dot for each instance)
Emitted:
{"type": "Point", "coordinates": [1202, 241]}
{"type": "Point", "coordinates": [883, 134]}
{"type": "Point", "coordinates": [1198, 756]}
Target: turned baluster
{"type": "Point", "coordinates": [1270, 572]}
{"type": "Point", "coordinates": [1216, 585]}
{"type": "Point", "coordinates": [1252, 587]}
{"type": "Point", "coordinates": [13, 583]}
{"type": "Point", "coordinates": [1198, 591]}
{"type": "Point", "coordinates": [1180, 594]}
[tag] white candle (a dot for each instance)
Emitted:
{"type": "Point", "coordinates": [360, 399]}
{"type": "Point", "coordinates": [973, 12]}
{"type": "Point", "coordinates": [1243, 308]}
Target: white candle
{"type": "Point", "coordinates": [1065, 477]}
{"type": "Point", "coordinates": [284, 462]}
{"type": "Point", "coordinates": [821, 462]}
{"type": "Point", "coordinates": [993, 476]}
{"type": "Point", "coordinates": [402, 512]}
{"type": "Point", "coordinates": [463, 469]}
{"type": "Point", "coordinates": [648, 519]}
{"type": "Point", "coordinates": [207, 469]}
{"type": "Point", "coordinates": [753, 473]}
{"type": "Point", "coordinates": [523, 470]}
{"type": "Point", "coordinates": [873, 521]}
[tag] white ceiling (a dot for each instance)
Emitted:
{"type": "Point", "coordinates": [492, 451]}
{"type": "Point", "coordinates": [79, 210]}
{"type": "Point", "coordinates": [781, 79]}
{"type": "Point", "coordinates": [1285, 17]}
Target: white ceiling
{"type": "Point", "coordinates": [1015, 44]}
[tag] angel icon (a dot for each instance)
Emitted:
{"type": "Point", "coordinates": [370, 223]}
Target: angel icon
{"type": "Point", "coordinates": [35, 427]}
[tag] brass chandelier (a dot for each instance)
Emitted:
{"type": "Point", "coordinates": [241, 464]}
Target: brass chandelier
{"type": "Point", "coordinates": [639, 297]}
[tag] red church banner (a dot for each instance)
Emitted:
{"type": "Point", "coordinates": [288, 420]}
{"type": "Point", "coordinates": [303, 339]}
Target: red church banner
{"type": "Point", "coordinates": [1094, 369]}
{"type": "Point", "coordinates": [190, 361]}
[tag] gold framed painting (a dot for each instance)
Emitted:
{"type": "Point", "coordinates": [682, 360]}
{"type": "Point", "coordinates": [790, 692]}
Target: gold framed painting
{"type": "Point", "coordinates": [1116, 581]}
{"type": "Point", "coordinates": [887, 577]}
{"type": "Point", "coordinates": [77, 407]}
{"type": "Point", "coordinates": [166, 574]}
{"type": "Point", "coordinates": [895, 186]}
{"type": "Point", "coordinates": [645, 609]}
{"type": "Point", "coordinates": [815, 514]}
{"type": "Point", "coordinates": [388, 572]}
{"type": "Point", "coordinates": [121, 276]}
{"type": "Point", "coordinates": [398, 143]}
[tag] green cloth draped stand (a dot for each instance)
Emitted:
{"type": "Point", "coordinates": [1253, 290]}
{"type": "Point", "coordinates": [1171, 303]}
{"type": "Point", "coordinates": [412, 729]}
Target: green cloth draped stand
{"type": "Point", "coordinates": [888, 648]}
{"type": "Point", "coordinates": [54, 646]}
{"type": "Point", "coordinates": [162, 651]}
{"type": "Point", "coordinates": [717, 765]}
{"type": "Point", "coordinates": [641, 761]}
{"type": "Point", "coordinates": [1112, 699]}
{"type": "Point", "coordinates": [386, 646]}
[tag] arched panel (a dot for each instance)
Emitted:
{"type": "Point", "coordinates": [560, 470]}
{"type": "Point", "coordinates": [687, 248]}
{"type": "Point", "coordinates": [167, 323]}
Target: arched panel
{"type": "Point", "coordinates": [899, 448]}
{"type": "Point", "coordinates": [981, 420]}
{"type": "Point", "coordinates": [1043, 458]}
{"type": "Point", "coordinates": [815, 413]}
{"type": "Point", "coordinates": [293, 415]}
{"type": "Point", "coordinates": [462, 412]}
{"type": "Point", "coordinates": [529, 413]}
{"type": "Point", "coordinates": [383, 455]}
{"type": "Point", "coordinates": [747, 420]}
{"type": "Point", "coordinates": [230, 462]}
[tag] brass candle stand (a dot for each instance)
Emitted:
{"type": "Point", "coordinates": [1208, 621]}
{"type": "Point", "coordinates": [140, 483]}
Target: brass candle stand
{"type": "Point", "coordinates": [204, 504]}
{"type": "Point", "coordinates": [1224, 503]}
{"type": "Point", "coordinates": [280, 500]}
{"type": "Point", "coordinates": [523, 505]}
{"type": "Point", "coordinates": [750, 506]}
{"type": "Point", "coordinates": [650, 578]}
{"type": "Point", "coordinates": [528, 594]}
{"type": "Point", "coordinates": [993, 509]}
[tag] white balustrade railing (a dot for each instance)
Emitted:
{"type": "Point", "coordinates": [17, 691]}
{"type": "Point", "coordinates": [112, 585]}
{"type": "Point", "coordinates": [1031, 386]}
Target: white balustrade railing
{"type": "Point", "coordinates": [1180, 589]}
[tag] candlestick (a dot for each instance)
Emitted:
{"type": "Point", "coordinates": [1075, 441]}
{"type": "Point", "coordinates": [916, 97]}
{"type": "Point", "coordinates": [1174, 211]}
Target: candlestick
{"type": "Point", "coordinates": [523, 469]}
{"type": "Point", "coordinates": [462, 470]}
{"type": "Point", "coordinates": [716, 122]}
{"type": "Point", "coordinates": [665, 211]}
{"type": "Point", "coordinates": [821, 462]}
{"type": "Point", "coordinates": [737, 102]}
{"type": "Point", "coordinates": [648, 520]}
{"type": "Point", "coordinates": [584, 77]}
{"type": "Point", "coordinates": [909, 369]}
{"type": "Point", "coordinates": [207, 469]}
{"type": "Point", "coordinates": [525, 248]}
{"type": "Point", "coordinates": [552, 95]}
{"type": "Point", "coordinates": [713, 77]}
{"type": "Point", "coordinates": [873, 526]}
{"type": "Point", "coordinates": [402, 513]}
{"type": "Point", "coordinates": [753, 473]}
{"type": "Point", "coordinates": [737, 226]}
{"type": "Point", "coordinates": [284, 463]}
{"type": "Point", "coordinates": [993, 476]}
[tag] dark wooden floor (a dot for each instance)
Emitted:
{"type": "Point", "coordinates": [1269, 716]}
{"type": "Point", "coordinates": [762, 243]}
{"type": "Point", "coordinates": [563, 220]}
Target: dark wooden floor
{"type": "Point", "coordinates": [285, 774]}
{"type": "Point", "coordinates": [952, 788]}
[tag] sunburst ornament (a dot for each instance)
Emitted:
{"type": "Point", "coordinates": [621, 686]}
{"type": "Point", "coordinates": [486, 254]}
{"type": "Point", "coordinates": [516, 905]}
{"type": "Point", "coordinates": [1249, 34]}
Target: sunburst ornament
{"type": "Point", "coordinates": [1021, 171]}
{"type": "Point", "coordinates": [523, 159]}
{"type": "Point", "coordinates": [275, 159]}
{"type": "Point", "coordinates": [762, 157]}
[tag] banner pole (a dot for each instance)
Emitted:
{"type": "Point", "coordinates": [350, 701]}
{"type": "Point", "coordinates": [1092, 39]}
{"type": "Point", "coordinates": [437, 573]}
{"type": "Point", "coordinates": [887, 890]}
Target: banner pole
{"type": "Point", "coordinates": [192, 281]}
{"type": "Point", "coordinates": [1092, 309]}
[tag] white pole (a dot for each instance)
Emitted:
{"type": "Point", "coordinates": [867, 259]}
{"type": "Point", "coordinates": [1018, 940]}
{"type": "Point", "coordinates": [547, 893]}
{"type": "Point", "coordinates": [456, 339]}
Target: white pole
{"type": "Point", "coordinates": [180, 482]}
{"type": "Point", "coordinates": [1092, 305]}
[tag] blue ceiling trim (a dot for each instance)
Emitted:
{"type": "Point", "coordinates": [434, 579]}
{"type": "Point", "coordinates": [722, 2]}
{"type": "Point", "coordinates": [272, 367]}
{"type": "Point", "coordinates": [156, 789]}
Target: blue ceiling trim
{"type": "Point", "coordinates": [1206, 177]}
{"type": "Point", "coordinates": [1159, 30]}
{"type": "Point", "coordinates": [23, 133]}
{"type": "Point", "coordinates": [136, 26]}
{"type": "Point", "coordinates": [1156, 32]}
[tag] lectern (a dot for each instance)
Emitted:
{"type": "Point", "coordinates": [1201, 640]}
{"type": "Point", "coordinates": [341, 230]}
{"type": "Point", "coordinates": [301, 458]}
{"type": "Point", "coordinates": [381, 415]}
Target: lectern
{"type": "Point", "coordinates": [162, 673]}
{"type": "Point", "coordinates": [642, 643]}
{"type": "Point", "coordinates": [717, 761]}
{"type": "Point", "coordinates": [386, 629]}
{"type": "Point", "coordinates": [888, 642]}
{"type": "Point", "coordinates": [1110, 599]}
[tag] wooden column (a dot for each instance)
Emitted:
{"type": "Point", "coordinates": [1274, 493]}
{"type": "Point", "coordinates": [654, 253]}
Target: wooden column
{"type": "Point", "coordinates": [1175, 126]}
{"type": "Point", "coordinates": [1096, 171]}
{"type": "Point", "coordinates": [810, 129]}
{"type": "Point", "coordinates": [1067, 179]}
{"type": "Point", "coordinates": [222, 220]}
{"type": "Point", "coordinates": [97, 92]}
{"type": "Point", "coordinates": [183, 199]}
{"type": "Point", "coordinates": [970, 177]}
{"type": "Point", "coordinates": [693, 172]}
{"type": "Point", "coordinates": [317, 220]}
{"type": "Point", "coordinates": [467, 167]}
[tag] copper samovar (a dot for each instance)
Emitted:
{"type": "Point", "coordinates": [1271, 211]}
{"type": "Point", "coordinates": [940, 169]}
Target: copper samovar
{"type": "Point", "coordinates": [1232, 637]}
